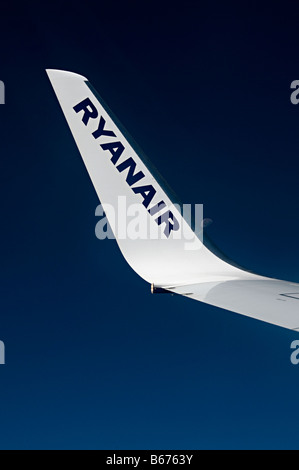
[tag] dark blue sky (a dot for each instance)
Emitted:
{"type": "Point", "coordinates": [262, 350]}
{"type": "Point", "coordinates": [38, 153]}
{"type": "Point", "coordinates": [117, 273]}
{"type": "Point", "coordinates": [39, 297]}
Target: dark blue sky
{"type": "Point", "coordinates": [93, 359]}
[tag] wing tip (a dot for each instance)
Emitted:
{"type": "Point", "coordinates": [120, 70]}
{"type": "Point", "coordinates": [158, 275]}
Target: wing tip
{"type": "Point", "coordinates": [55, 74]}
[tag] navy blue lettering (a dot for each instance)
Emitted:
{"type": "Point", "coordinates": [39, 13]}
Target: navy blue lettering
{"type": "Point", "coordinates": [147, 192]}
{"type": "Point", "coordinates": [101, 131]}
{"type": "Point", "coordinates": [115, 148]}
{"type": "Point", "coordinates": [170, 221]}
{"type": "Point", "coordinates": [131, 177]}
{"type": "Point", "coordinates": [90, 111]}
{"type": "Point", "coordinates": [157, 208]}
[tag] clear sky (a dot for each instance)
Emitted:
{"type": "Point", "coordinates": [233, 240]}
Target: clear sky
{"type": "Point", "coordinates": [93, 360]}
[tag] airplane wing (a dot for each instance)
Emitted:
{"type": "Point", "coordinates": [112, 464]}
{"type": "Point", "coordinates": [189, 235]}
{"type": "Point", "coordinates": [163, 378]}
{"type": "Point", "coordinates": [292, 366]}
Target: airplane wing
{"type": "Point", "coordinates": [171, 256]}
{"type": "Point", "coordinates": [269, 300]}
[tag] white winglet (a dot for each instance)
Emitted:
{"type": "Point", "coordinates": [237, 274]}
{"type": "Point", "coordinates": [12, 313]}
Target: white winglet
{"type": "Point", "coordinates": [119, 170]}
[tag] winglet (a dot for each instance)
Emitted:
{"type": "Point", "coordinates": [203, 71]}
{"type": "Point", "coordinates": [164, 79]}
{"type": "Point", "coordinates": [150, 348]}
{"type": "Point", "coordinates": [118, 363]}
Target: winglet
{"type": "Point", "coordinates": [119, 171]}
